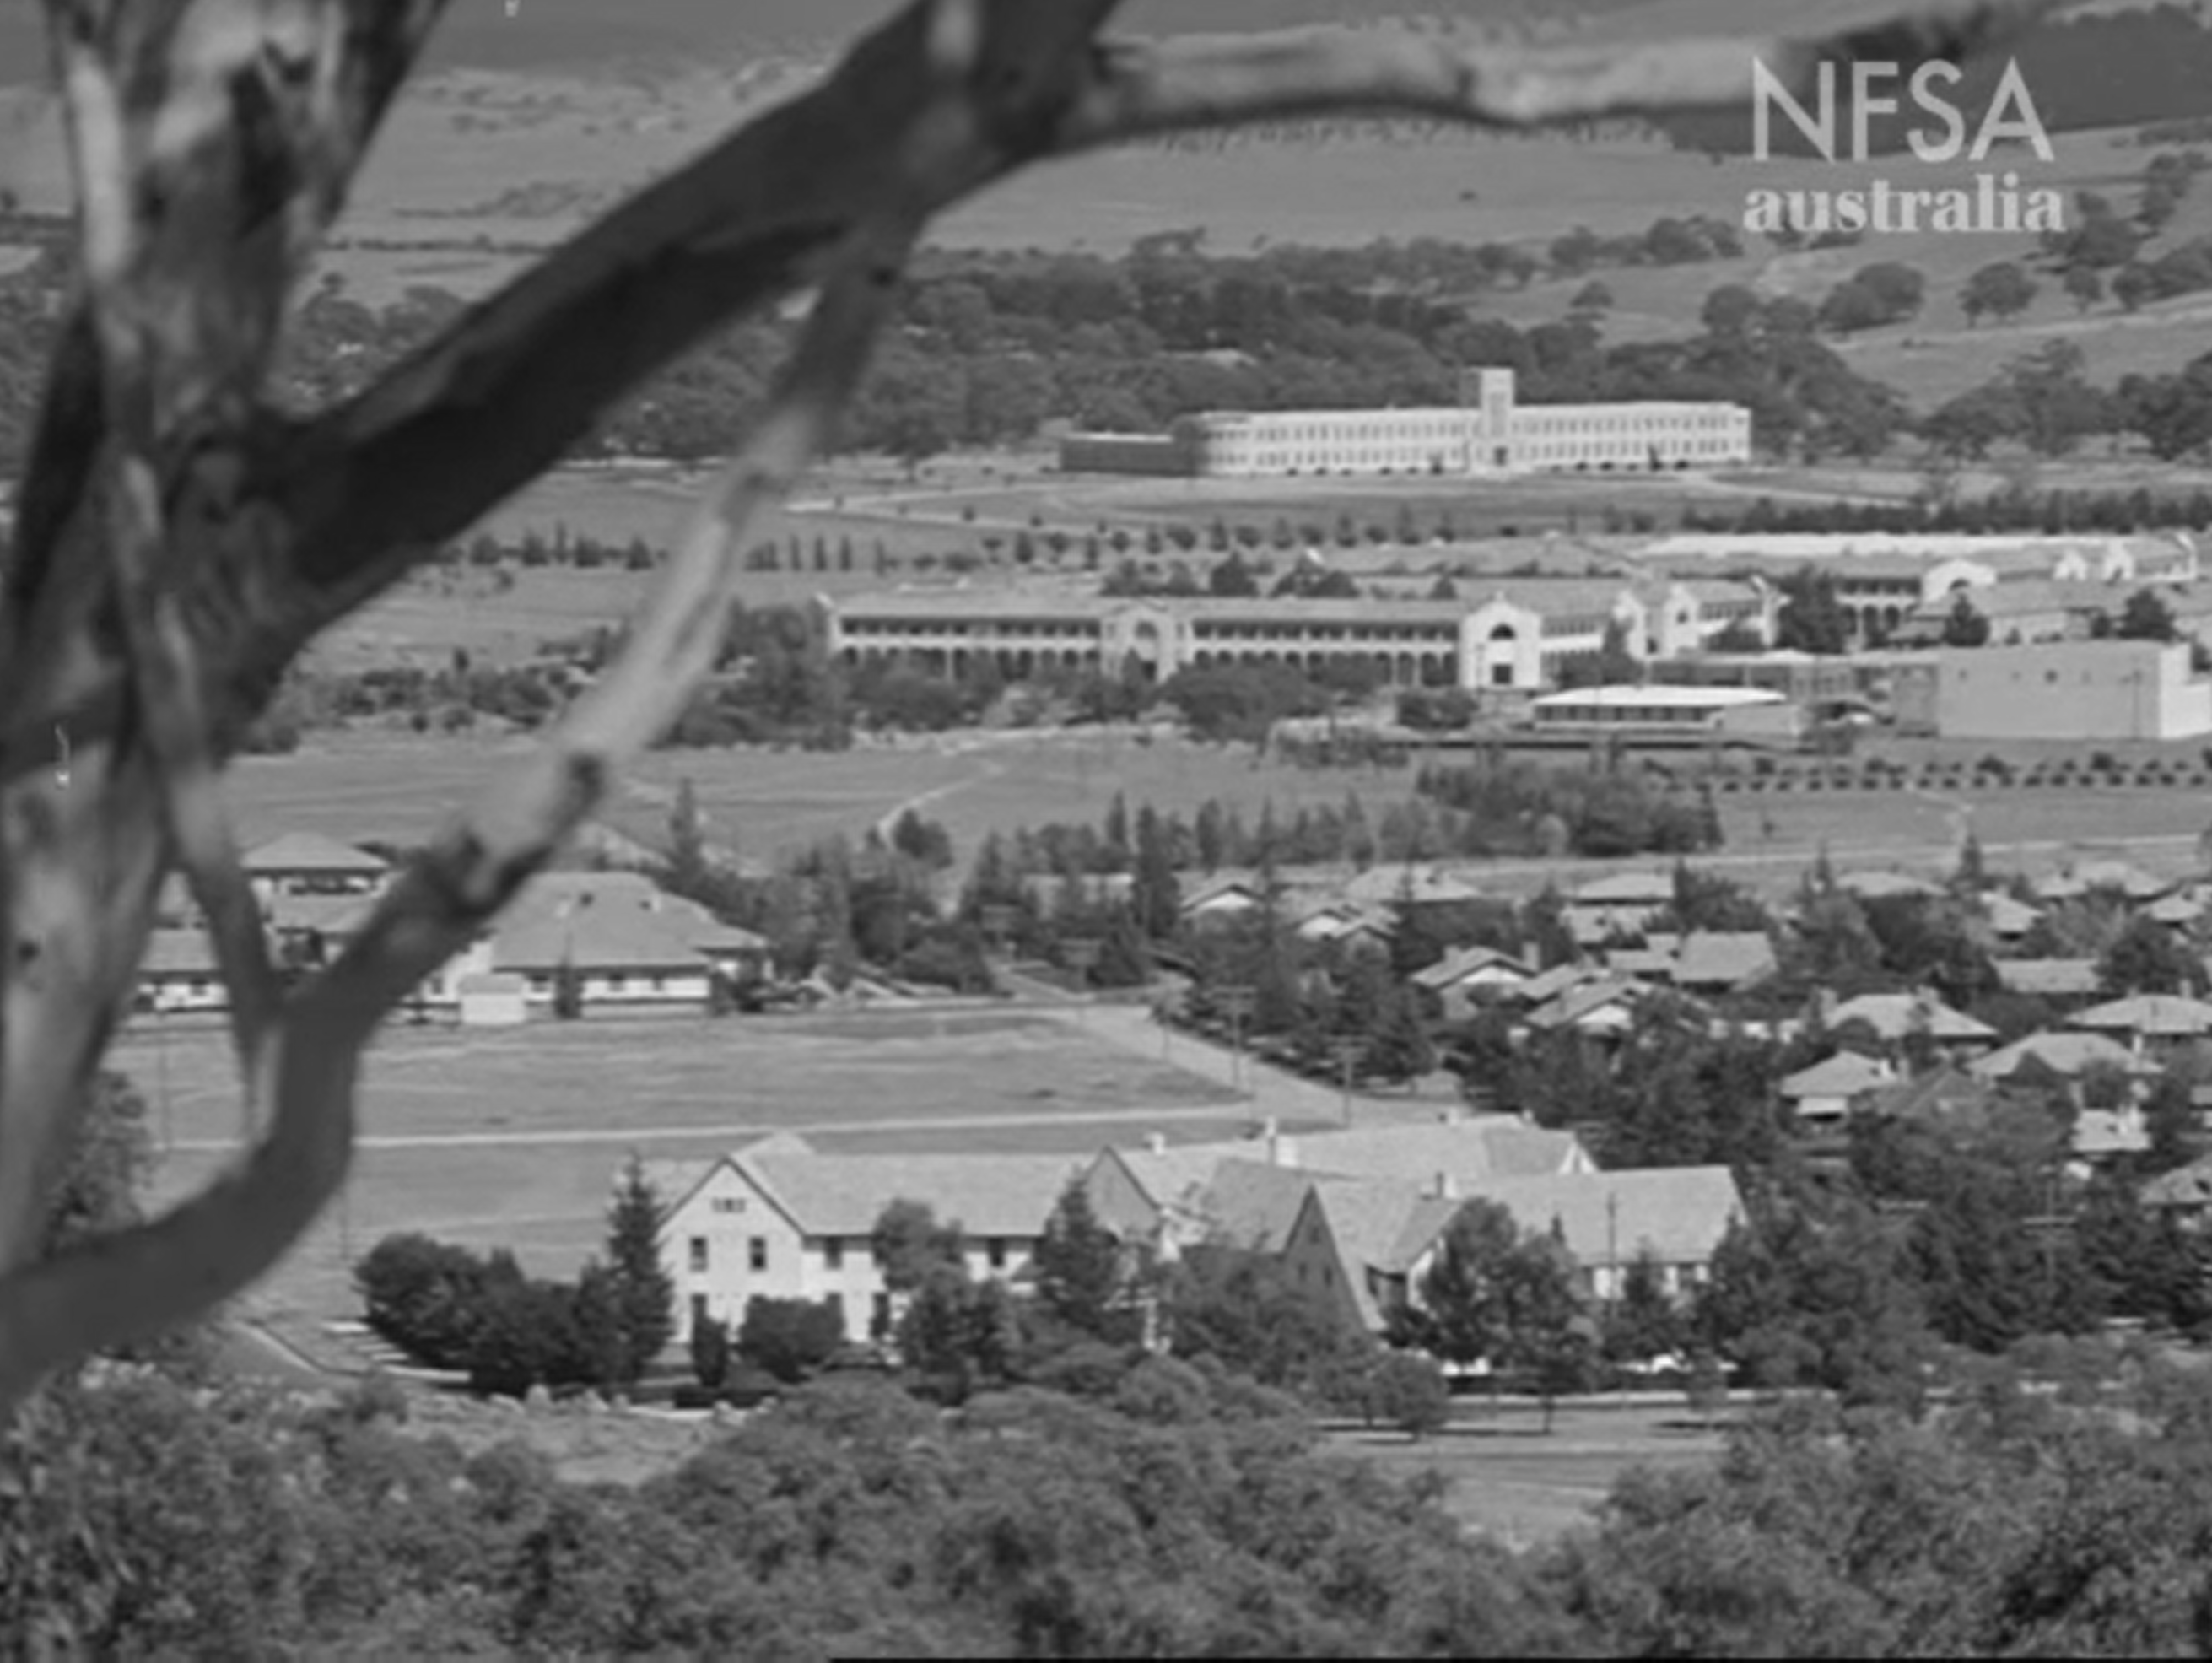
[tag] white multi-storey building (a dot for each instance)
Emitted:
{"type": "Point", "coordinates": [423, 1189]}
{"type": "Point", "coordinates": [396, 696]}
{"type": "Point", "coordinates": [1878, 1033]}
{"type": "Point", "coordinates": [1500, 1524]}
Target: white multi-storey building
{"type": "Point", "coordinates": [1490, 432]}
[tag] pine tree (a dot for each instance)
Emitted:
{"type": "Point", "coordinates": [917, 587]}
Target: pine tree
{"type": "Point", "coordinates": [1077, 1266]}
{"type": "Point", "coordinates": [644, 1295]}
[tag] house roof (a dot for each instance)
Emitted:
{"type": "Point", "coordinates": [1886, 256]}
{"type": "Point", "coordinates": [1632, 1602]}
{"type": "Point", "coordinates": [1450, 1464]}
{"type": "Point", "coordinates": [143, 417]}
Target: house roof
{"type": "Point", "coordinates": [1869, 886]}
{"type": "Point", "coordinates": [843, 1195]}
{"type": "Point", "coordinates": [1896, 1015]}
{"type": "Point", "coordinates": [1678, 1213]}
{"type": "Point", "coordinates": [1653, 964]}
{"type": "Point", "coordinates": [2154, 1015]}
{"type": "Point", "coordinates": [2185, 1186]}
{"type": "Point", "coordinates": [1252, 1204]}
{"type": "Point", "coordinates": [1940, 1094]}
{"type": "Point", "coordinates": [310, 851]}
{"type": "Point", "coordinates": [2067, 1054]}
{"type": "Point", "coordinates": [1626, 889]}
{"type": "Point", "coordinates": [2100, 1132]}
{"type": "Point", "coordinates": [1845, 1074]}
{"type": "Point", "coordinates": [1735, 960]}
{"type": "Point", "coordinates": [1390, 885]}
{"type": "Point", "coordinates": [2179, 909]}
{"type": "Point", "coordinates": [2083, 877]}
{"type": "Point", "coordinates": [1456, 966]}
{"type": "Point", "coordinates": [1578, 1004]}
{"type": "Point", "coordinates": [2049, 979]}
{"type": "Point", "coordinates": [1548, 984]}
{"type": "Point", "coordinates": [2009, 914]}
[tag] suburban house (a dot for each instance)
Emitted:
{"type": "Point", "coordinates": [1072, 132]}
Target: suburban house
{"type": "Point", "coordinates": [1602, 1009]}
{"type": "Point", "coordinates": [1363, 1248]}
{"type": "Point", "coordinates": [1896, 1019]}
{"type": "Point", "coordinates": [1462, 981]}
{"type": "Point", "coordinates": [307, 863]}
{"type": "Point", "coordinates": [1624, 904]}
{"type": "Point", "coordinates": [2066, 1056]}
{"type": "Point", "coordinates": [2150, 1025]}
{"type": "Point", "coordinates": [2184, 1194]}
{"type": "Point", "coordinates": [2078, 879]}
{"type": "Point", "coordinates": [1221, 900]}
{"type": "Point", "coordinates": [1174, 1197]}
{"type": "Point", "coordinates": [179, 974]}
{"type": "Point", "coordinates": [778, 1219]}
{"type": "Point", "coordinates": [1824, 1094]}
{"type": "Point", "coordinates": [630, 946]}
{"type": "Point", "coordinates": [1714, 962]}
{"type": "Point", "coordinates": [2009, 917]}
{"type": "Point", "coordinates": [1945, 1098]}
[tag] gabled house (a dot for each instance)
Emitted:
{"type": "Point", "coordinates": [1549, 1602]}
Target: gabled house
{"type": "Point", "coordinates": [1624, 904]}
{"type": "Point", "coordinates": [1220, 900]}
{"type": "Point", "coordinates": [2063, 1056]}
{"type": "Point", "coordinates": [309, 863]}
{"type": "Point", "coordinates": [1876, 886]}
{"type": "Point", "coordinates": [2183, 1195]}
{"type": "Point", "coordinates": [2150, 1025]}
{"type": "Point", "coordinates": [1602, 1009]}
{"type": "Point", "coordinates": [628, 945]}
{"type": "Point", "coordinates": [1946, 1097]}
{"type": "Point", "coordinates": [2009, 917]}
{"type": "Point", "coordinates": [1364, 1248]}
{"type": "Point", "coordinates": [1176, 1197]}
{"type": "Point", "coordinates": [1716, 963]}
{"type": "Point", "coordinates": [1825, 1092]}
{"type": "Point", "coordinates": [1463, 979]}
{"type": "Point", "coordinates": [179, 974]}
{"type": "Point", "coordinates": [1898, 1019]}
{"type": "Point", "coordinates": [778, 1219]}
{"type": "Point", "coordinates": [2081, 878]}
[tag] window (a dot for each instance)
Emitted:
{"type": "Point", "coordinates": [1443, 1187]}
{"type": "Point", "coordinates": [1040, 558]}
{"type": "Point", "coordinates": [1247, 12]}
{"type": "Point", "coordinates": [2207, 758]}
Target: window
{"type": "Point", "coordinates": [996, 1248]}
{"type": "Point", "coordinates": [836, 1304]}
{"type": "Point", "coordinates": [699, 1315]}
{"type": "Point", "coordinates": [729, 1203]}
{"type": "Point", "coordinates": [698, 1254]}
{"type": "Point", "coordinates": [757, 1252]}
{"type": "Point", "coordinates": [833, 1252]}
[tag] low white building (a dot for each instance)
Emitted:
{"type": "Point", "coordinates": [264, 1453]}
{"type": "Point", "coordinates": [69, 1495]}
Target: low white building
{"type": "Point", "coordinates": [780, 1220]}
{"type": "Point", "coordinates": [2082, 690]}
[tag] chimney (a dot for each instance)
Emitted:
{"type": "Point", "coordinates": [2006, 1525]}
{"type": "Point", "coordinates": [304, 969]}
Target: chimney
{"type": "Point", "coordinates": [1824, 1006]}
{"type": "Point", "coordinates": [1155, 1143]}
{"type": "Point", "coordinates": [1445, 1187]}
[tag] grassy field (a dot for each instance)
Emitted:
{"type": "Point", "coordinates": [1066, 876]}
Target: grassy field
{"type": "Point", "coordinates": [1505, 1478]}
{"type": "Point", "coordinates": [510, 1138]}
{"type": "Point", "coordinates": [395, 787]}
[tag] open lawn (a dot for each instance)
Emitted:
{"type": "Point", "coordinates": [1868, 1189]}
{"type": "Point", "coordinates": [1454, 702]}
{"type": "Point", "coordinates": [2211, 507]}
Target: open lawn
{"type": "Point", "coordinates": [399, 786]}
{"type": "Point", "coordinates": [509, 1139]}
{"type": "Point", "coordinates": [1505, 1476]}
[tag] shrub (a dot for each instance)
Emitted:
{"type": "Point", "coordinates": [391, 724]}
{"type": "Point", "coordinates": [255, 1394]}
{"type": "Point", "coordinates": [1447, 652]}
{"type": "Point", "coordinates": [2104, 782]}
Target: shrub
{"type": "Point", "coordinates": [790, 1339]}
{"type": "Point", "coordinates": [427, 1297]}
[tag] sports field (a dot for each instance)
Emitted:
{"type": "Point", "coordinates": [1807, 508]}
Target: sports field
{"type": "Point", "coordinates": [510, 1138]}
{"type": "Point", "coordinates": [1504, 1475]}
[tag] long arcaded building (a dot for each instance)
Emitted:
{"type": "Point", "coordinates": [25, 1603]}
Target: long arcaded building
{"type": "Point", "coordinates": [1489, 433]}
{"type": "Point", "coordinates": [1510, 635]}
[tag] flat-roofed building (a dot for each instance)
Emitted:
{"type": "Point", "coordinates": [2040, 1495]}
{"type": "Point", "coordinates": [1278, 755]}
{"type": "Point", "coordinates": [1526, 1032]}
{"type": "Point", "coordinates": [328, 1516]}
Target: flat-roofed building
{"type": "Point", "coordinates": [2071, 689]}
{"type": "Point", "coordinates": [1489, 432]}
{"type": "Point", "coordinates": [1692, 712]}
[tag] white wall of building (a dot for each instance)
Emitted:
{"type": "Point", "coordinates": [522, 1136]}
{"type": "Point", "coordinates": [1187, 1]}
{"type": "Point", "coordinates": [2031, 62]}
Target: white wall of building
{"type": "Point", "coordinates": [2072, 690]}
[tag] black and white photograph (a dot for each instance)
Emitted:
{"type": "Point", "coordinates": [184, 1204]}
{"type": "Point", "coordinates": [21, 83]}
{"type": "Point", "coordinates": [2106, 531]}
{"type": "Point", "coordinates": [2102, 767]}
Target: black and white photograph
{"type": "Point", "coordinates": [1105, 828]}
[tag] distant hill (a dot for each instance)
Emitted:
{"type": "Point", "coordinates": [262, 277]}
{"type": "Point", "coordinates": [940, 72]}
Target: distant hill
{"type": "Point", "coordinates": [2110, 68]}
{"type": "Point", "coordinates": [578, 33]}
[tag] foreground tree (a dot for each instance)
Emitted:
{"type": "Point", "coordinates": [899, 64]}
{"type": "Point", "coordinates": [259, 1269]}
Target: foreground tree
{"type": "Point", "coordinates": [180, 540]}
